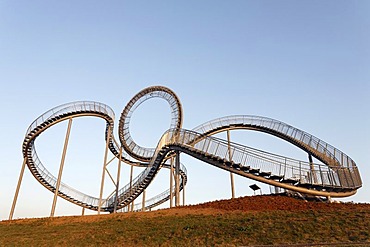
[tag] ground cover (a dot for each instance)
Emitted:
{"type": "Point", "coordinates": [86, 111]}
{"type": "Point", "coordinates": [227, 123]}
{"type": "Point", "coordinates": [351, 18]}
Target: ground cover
{"type": "Point", "coordinates": [256, 220]}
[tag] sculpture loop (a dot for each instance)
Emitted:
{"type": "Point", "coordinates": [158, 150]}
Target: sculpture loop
{"type": "Point", "coordinates": [336, 176]}
{"type": "Point", "coordinates": [133, 149]}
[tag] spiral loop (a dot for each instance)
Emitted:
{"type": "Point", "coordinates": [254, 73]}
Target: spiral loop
{"type": "Point", "coordinates": [129, 145]}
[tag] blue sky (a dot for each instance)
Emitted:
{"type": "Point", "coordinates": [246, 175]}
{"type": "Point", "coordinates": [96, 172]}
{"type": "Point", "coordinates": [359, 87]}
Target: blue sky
{"type": "Point", "coordinates": [305, 63]}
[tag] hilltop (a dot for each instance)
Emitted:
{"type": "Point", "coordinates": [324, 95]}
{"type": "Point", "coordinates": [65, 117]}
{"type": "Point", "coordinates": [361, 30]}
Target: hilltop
{"type": "Point", "coordinates": [254, 220]}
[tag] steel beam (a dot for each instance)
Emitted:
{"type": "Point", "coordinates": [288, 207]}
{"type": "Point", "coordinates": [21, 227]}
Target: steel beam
{"type": "Point", "coordinates": [118, 178]}
{"type": "Point", "coordinates": [131, 174]}
{"type": "Point", "coordinates": [104, 169]}
{"type": "Point", "coordinates": [143, 202]}
{"type": "Point", "coordinates": [18, 188]}
{"type": "Point", "coordinates": [61, 166]}
{"type": "Point", "coordinates": [171, 182]}
{"type": "Point", "coordinates": [231, 174]}
{"type": "Point", "coordinates": [183, 195]}
{"type": "Point", "coordinates": [312, 168]}
{"type": "Point", "coordinates": [177, 180]}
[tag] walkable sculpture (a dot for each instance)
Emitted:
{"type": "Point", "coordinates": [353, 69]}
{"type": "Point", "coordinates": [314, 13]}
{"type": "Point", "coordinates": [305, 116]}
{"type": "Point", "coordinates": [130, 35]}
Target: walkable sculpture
{"type": "Point", "coordinates": [336, 176]}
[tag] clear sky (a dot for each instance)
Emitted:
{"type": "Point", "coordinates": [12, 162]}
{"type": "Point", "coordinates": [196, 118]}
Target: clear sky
{"type": "Point", "coordinates": [305, 63]}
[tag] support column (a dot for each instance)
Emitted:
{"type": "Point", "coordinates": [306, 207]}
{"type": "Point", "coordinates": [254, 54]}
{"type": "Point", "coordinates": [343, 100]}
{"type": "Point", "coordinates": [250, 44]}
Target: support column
{"type": "Point", "coordinates": [104, 169]}
{"type": "Point", "coordinates": [17, 189]}
{"type": "Point", "coordinates": [143, 202]}
{"type": "Point", "coordinates": [177, 180]}
{"type": "Point", "coordinates": [314, 176]}
{"type": "Point", "coordinates": [171, 183]}
{"type": "Point", "coordinates": [329, 199]}
{"type": "Point", "coordinates": [231, 174]}
{"type": "Point", "coordinates": [83, 211]}
{"type": "Point", "coordinates": [131, 174]}
{"type": "Point", "coordinates": [61, 168]}
{"type": "Point", "coordinates": [183, 195]}
{"type": "Point", "coordinates": [117, 181]}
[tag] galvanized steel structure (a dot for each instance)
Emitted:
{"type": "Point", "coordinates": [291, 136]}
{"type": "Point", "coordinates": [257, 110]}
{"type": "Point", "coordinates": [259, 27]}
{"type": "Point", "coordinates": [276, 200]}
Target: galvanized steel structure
{"type": "Point", "coordinates": [336, 176]}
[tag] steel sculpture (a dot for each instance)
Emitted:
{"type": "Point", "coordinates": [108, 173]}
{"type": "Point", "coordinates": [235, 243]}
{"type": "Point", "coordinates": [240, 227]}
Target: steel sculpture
{"type": "Point", "coordinates": [336, 176]}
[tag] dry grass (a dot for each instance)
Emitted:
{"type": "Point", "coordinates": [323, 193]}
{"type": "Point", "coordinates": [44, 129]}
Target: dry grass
{"type": "Point", "coordinates": [243, 221]}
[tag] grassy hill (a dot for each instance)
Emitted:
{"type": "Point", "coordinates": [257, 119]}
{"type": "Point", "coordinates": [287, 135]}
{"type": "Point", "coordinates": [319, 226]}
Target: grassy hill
{"type": "Point", "coordinates": [256, 220]}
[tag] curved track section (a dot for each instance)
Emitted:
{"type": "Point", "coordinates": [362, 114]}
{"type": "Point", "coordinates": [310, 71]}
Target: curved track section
{"type": "Point", "coordinates": [83, 109]}
{"type": "Point", "coordinates": [339, 170]}
{"type": "Point", "coordinates": [337, 176]}
{"type": "Point", "coordinates": [133, 149]}
{"type": "Point", "coordinates": [45, 121]}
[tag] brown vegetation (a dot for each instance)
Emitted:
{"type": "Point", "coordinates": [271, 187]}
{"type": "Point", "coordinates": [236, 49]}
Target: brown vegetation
{"type": "Point", "coordinates": [242, 221]}
{"type": "Point", "coordinates": [270, 202]}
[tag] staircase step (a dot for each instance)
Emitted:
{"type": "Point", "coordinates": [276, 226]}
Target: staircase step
{"type": "Point", "coordinates": [236, 166]}
{"type": "Point", "coordinates": [265, 174]}
{"type": "Point", "coordinates": [254, 170]}
{"type": "Point", "coordinates": [245, 168]}
{"type": "Point", "coordinates": [276, 177]}
{"type": "Point", "coordinates": [290, 180]}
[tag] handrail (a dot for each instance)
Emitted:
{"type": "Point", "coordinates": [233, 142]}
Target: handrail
{"type": "Point", "coordinates": [310, 142]}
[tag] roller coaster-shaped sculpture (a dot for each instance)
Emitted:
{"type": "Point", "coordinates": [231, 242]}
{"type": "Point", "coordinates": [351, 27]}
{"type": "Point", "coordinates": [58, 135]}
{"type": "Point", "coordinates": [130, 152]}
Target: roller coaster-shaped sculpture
{"type": "Point", "coordinates": [337, 176]}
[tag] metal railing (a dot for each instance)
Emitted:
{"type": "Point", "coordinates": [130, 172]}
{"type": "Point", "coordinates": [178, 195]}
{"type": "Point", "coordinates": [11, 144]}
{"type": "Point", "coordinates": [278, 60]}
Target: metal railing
{"type": "Point", "coordinates": [331, 156]}
{"type": "Point", "coordinates": [71, 107]}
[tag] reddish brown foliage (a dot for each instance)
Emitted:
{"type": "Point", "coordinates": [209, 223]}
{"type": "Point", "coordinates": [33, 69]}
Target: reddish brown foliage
{"type": "Point", "coordinates": [269, 202]}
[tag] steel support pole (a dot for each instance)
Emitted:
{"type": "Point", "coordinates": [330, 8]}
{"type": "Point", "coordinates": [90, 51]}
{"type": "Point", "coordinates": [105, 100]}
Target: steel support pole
{"type": "Point", "coordinates": [231, 174]}
{"type": "Point", "coordinates": [314, 176]}
{"type": "Point", "coordinates": [17, 189]}
{"type": "Point", "coordinates": [177, 180]}
{"type": "Point", "coordinates": [118, 178]}
{"type": "Point", "coordinates": [131, 174]}
{"type": "Point", "coordinates": [171, 183]}
{"type": "Point", "coordinates": [183, 195]}
{"type": "Point", "coordinates": [143, 202]}
{"type": "Point", "coordinates": [61, 166]}
{"type": "Point", "coordinates": [83, 211]}
{"type": "Point", "coordinates": [104, 169]}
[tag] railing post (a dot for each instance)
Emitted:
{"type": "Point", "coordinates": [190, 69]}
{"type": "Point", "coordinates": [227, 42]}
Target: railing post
{"type": "Point", "coordinates": [218, 144]}
{"type": "Point", "coordinates": [17, 189]}
{"type": "Point", "coordinates": [318, 143]}
{"type": "Point", "coordinates": [61, 168]}
{"type": "Point", "coordinates": [284, 168]}
{"type": "Point", "coordinates": [204, 144]}
{"type": "Point", "coordinates": [312, 168]}
{"type": "Point", "coordinates": [322, 180]}
{"type": "Point", "coordinates": [350, 173]}
{"type": "Point", "coordinates": [281, 166]}
{"type": "Point", "coordinates": [342, 162]}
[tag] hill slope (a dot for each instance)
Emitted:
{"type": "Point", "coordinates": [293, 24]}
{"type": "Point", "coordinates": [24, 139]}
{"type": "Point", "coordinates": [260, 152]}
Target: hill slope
{"type": "Point", "coordinates": [244, 221]}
